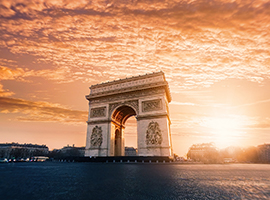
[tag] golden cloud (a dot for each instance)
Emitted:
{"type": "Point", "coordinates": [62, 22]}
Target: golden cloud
{"type": "Point", "coordinates": [41, 111]}
{"type": "Point", "coordinates": [5, 93]}
{"type": "Point", "coordinates": [10, 74]}
{"type": "Point", "coordinates": [59, 74]}
{"type": "Point", "coordinates": [196, 43]}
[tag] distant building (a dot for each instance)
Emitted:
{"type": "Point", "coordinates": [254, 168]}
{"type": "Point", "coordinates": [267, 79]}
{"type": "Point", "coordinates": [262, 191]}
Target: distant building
{"type": "Point", "coordinates": [131, 151]}
{"type": "Point", "coordinates": [16, 150]}
{"type": "Point", "coordinates": [72, 150]}
{"type": "Point", "coordinates": [204, 152]}
{"type": "Point", "coordinates": [264, 153]}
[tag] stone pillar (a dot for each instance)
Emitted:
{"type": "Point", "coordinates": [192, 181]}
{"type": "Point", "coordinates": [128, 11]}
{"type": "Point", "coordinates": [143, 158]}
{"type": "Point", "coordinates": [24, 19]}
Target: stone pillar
{"type": "Point", "coordinates": [153, 138]}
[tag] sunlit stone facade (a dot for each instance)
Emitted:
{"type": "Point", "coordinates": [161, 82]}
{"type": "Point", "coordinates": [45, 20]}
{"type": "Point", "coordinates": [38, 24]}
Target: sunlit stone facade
{"type": "Point", "coordinates": [110, 104]}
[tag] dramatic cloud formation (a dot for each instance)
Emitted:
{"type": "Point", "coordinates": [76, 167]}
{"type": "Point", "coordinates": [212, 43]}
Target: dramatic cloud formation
{"type": "Point", "coordinates": [194, 42]}
{"type": "Point", "coordinates": [41, 111]}
{"type": "Point", "coordinates": [4, 93]}
{"type": "Point", "coordinates": [215, 55]}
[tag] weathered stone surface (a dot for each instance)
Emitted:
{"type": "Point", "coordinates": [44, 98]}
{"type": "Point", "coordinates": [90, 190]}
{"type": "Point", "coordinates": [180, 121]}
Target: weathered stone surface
{"type": "Point", "coordinates": [153, 134]}
{"type": "Point", "coordinates": [151, 105]}
{"type": "Point", "coordinates": [98, 112]}
{"type": "Point", "coordinates": [134, 104]}
{"type": "Point", "coordinates": [96, 137]}
{"type": "Point", "coordinates": [112, 103]}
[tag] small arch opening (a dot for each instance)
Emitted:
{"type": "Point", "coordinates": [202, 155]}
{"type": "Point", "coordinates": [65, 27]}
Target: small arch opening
{"type": "Point", "coordinates": [131, 138]}
{"type": "Point", "coordinates": [117, 143]}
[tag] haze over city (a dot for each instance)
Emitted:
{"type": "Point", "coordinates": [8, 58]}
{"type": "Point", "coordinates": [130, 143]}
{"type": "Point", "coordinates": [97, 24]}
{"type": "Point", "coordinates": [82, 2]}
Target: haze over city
{"type": "Point", "coordinates": [215, 56]}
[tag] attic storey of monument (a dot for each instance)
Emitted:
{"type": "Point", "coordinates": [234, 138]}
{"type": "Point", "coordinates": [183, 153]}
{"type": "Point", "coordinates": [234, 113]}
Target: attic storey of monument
{"type": "Point", "coordinates": [110, 104]}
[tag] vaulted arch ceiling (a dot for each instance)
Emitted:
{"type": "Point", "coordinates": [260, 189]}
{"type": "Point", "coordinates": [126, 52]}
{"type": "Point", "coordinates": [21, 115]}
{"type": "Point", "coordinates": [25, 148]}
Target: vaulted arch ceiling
{"type": "Point", "coordinates": [122, 113]}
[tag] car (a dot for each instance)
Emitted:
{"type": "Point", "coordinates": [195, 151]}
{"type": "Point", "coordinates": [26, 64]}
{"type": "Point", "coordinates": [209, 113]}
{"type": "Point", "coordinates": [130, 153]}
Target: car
{"type": "Point", "coordinates": [3, 160]}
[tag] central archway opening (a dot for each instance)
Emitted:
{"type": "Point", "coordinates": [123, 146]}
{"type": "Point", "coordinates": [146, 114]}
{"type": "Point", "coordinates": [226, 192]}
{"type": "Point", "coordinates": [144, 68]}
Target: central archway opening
{"type": "Point", "coordinates": [131, 138]}
{"type": "Point", "coordinates": [122, 117]}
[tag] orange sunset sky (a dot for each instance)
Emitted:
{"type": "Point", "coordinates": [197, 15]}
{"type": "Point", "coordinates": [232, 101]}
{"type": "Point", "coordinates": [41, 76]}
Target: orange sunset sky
{"type": "Point", "coordinates": [215, 55]}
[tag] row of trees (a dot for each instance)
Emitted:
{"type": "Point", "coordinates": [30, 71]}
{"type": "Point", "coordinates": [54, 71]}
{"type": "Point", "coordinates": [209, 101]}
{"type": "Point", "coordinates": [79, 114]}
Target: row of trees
{"type": "Point", "coordinates": [24, 152]}
{"type": "Point", "coordinates": [21, 153]}
{"type": "Point", "coordinates": [208, 153]}
{"type": "Point", "coordinates": [71, 152]}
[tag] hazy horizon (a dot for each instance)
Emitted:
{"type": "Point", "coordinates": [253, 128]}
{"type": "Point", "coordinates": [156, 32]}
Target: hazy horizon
{"type": "Point", "coordinates": [215, 56]}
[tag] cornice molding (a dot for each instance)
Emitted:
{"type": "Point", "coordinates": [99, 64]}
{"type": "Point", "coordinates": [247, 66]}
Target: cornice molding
{"type": "Point", "coordinates": [103, 121]}
{"type": "Point", "coordinates": [133, 78]}
{"type": "Point", "coordinates": [132, 89]}
{"type": "Point", "coordinates": [98, 121]}
{"type": "Point", "coordinates": [155, 147]}
{"type": "Point", "coordinates": [153, 116]}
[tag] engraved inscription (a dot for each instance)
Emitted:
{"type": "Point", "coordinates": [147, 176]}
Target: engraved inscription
{"type": "Point", "coordinates": [96, 137]}
{"type": "Point", "coordinates": [98, 112]}
{"type": "Point", "coordinates": [153, 134]}
{"type": "Point", "coordinates": [151, 105]}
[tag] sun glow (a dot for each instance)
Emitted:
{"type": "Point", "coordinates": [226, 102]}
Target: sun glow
{"type": "Point", "coordinates": [225, 131]}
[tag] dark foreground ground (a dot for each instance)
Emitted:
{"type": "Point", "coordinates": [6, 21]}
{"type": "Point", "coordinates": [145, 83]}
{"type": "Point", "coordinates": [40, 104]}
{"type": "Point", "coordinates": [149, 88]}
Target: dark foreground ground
{"type": "Point", "coordinates": [54, 180]}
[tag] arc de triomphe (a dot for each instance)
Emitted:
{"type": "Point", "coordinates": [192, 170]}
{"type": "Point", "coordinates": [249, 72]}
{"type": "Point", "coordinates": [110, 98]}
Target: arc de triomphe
{"type": "Point", "coordinates": [110, 104]}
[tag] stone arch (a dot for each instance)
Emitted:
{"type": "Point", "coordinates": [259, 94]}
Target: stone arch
{"type": "Point", "coordinates": [119, 117]}
{"type": "Point", "coordinates": [133, 104]}
{"type": "Point", "coordinates": [122, 113]}
{"type": "Point", "coordinates": [112, 103]}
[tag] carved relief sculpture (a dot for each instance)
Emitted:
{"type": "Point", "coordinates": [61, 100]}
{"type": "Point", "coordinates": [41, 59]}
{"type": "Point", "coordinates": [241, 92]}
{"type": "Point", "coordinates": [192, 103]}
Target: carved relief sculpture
{"type": "Point", "coordinates": [153, 134]}
{"type": "Point", "coordinates": [98, 112]}
{"type": "Point", "coordinates": [151, 105]}
{"type": "Point", "coordinates": [112, 103]}
{"type": "Point", "coordinates": [96, 137]}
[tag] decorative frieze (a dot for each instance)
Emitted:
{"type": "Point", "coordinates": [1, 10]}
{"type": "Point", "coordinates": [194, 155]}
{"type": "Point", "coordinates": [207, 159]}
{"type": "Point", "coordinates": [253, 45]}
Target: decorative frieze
{"type": "Point", "coordinates": [127, 83]}
{"type": "Point", "coordinates": [130, 95]}
{"type": "Point", "coordinates": [112, 103]}
{"type": "Point", "coordinates": [96, 137]}
{"type": "Point", "coordinates": [98, 112]}
{"type": "Point", "coordinates": [153, 134]}
{"type": "Point", "coordinates": [152, 105]}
